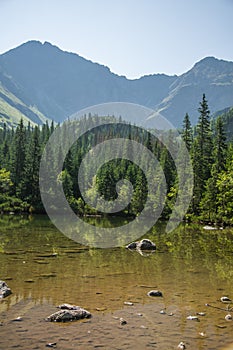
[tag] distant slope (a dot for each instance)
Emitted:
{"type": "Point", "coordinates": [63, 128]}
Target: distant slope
{"type": "Point", "coordinates": [227, 117]}
{"type": "Point", "coordinates": [12, 110]}
{"type": "Point", "coordinates": [210, 76]}
{"type": "Point", "coordinates": [59, 83]}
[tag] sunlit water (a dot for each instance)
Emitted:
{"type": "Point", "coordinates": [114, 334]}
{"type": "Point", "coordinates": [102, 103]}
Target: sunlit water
{"type": "Point", "coordinates": [44, 268]}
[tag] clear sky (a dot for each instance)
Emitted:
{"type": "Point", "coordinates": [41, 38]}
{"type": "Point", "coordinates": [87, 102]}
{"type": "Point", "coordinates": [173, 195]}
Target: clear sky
{"type": "Point", "coordinates": [131, 37]}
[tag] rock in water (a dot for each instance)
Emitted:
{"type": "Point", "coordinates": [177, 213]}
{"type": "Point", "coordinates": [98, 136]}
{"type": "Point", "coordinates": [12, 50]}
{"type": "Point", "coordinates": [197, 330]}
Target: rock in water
{"type": "Point", "coordinates": [155, 293]}
{"type": "Point", "coordinates": [66, 315]}
{"type": "Point", "coordinates": [144, 244]}
{"type": "Point", "coordinates": [4, 290]}
{"type": "Point", "coordinates": [225, 300]}
{"type": "Point", "coordinates": [132, 245]}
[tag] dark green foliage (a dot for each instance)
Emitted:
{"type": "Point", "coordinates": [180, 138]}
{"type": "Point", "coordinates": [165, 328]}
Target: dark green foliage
{"type": "Point", "coordinates": [212, 158]}
{"type": "Point", "coordinates": [187, 132]}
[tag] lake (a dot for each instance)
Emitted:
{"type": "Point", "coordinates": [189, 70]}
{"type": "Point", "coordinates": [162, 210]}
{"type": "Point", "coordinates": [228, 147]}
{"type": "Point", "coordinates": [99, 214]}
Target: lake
{"type": "Point", "coordinates": [192, 267]}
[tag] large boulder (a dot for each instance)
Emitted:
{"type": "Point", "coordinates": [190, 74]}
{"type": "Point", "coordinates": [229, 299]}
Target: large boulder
{"type": "Point", "coordinates": [4, 290]}
{"type": "Point", "coordinates": [69, 313]}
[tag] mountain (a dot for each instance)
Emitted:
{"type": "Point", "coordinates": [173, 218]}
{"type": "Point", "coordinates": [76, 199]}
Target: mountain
{"type": "Point", "coordinates": [210, 76]}
{"type": "Point", "coordinates": [40, 81]}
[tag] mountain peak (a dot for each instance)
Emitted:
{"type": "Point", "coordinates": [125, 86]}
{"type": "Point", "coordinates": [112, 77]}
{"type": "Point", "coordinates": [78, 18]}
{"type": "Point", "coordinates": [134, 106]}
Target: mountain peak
{"type": "Point", "coordinates": [60, 83]}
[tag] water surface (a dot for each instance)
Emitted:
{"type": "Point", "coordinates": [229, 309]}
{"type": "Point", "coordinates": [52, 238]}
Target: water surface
{"type": "Point", "coordinates": [44, 268]}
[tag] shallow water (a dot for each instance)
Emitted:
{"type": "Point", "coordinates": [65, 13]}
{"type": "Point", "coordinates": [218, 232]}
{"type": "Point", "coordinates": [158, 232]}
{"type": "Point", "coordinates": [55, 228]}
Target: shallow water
{"type": "Point", "coordinates": [44, 268]}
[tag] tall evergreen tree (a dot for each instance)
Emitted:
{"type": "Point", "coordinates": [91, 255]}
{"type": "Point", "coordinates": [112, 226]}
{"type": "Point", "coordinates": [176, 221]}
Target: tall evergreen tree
{"type": "Point", "coordinates": [29, 187]}
{"type": "Point", "coordinates": [202, 153]}
{"type": "Point", "coordinates": [18, 156]}
{"type": "Point", "coordinates": [187, 133]}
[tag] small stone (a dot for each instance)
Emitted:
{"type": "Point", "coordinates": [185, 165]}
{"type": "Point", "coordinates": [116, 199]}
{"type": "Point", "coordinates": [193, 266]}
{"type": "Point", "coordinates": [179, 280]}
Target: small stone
{"type": "Point", "coordinates": [155, 293]}
{"type": "Point", "coordinates": [4, 290]}
{"type": "Point", "coordinates": [193, 318]}
{"type": "Point", "coordinates": [162, 312]}
{"type": "Point", "coordinates": [29, 281]}
{"type": "Point", "coordinates": [201, 313]}
{"type": "Point", "coordinates": [228, 317]}
{"type": "Point", "coordinates": [225, 300]}
{"type": "Point", "coordinates": [101, 308]}
{"type": "Point", "coordinates": [17, 319]}
{"type": "Point", "coordinates": [128, 303]}
{"type": "Point", "coordinates": [51, 345]}
{"type": "Point", "coordinates": [202, 334]}
{"type": "Point", "coordinates": [122, 321]}
{"type": "Point", "coordinates": [181, 346]}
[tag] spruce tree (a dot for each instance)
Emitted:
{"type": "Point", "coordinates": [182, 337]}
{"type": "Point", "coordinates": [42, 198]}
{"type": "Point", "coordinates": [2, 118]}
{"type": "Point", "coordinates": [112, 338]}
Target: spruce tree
{"type": "Point", "coordinates": [18, 156]}
{"type": "Point", "coordinates": [202, 153]}
{"type": "Point", "coordinates": [187, 133]}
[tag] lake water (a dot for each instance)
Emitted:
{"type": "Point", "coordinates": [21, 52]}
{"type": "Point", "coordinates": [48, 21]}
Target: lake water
{"type": "Point", "coordinates": [44, 268]}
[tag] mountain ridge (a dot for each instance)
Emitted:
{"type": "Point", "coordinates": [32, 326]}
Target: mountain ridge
{"type": "Point", "coordinates": [57, 83]}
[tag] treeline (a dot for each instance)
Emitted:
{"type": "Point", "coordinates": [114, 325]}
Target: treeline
{"type": "Point", "coordinates": [211, 155]}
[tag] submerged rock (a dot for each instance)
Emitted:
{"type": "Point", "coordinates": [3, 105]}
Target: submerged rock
{"type": "Point", "coordinates": [4, 290]}
{"type": "Point", "coordinates": [122, 321]}
{"type": "Point", "coordinates": [155, 293]}
{"type": "Point", "coordinates": [228, 317]}
{"type": "Point", "coordinates": [225, 300]}
{"type": "Point", "coordinates": [193, 318]}
{"type": "Point", "coordinates": [144, 244]}
{"type": "Point", "coordinates": [132, 245]}
{"type": "Point", "coordinates": [69, 313]}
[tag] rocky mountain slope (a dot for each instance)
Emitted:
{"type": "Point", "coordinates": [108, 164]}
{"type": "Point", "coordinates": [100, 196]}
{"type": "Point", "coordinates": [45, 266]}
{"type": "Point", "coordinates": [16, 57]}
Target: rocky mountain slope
{"type": "Point", "coordinates": [40, 81]}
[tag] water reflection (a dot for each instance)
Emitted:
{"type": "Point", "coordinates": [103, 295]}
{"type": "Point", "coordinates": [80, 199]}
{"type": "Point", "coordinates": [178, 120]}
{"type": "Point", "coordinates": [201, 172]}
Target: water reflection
{"type": "Point", "coordinates": [41, 263]}
{"type": "Point", "coordinates": [191, 266]}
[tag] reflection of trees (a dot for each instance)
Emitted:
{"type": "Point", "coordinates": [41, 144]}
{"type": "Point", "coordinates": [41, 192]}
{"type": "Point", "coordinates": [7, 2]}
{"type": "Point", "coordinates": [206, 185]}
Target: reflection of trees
{"type": "Point", "coordinates": [197, 247]}
{"type": "Point", "coordinates": [187, 261]}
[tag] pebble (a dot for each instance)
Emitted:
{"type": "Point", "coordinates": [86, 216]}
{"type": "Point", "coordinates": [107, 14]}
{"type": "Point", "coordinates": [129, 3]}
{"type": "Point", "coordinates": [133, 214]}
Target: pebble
{"type": "Point", "coordinates": [228, 317]}
{"type": "Point", "coordinates": [193, 318]}
{"type": "Point", "coordinates": [155, 293]}
{"type": "Point", "coordinates": [202, 334]}
{"type": "Point", "coordinates": [225, 300]}
{"type": "Point", "coordinates": [122, 321]}
{"type": "Point", "coordinates": [17, 319]}
{"type": "Point", "coordinates": [162, 312]}
{"type": "Point", "coordinates": [51, 345]}
{"type": "Point", "coordinates": [181, 346]}
{"type": "Point", "coordinates": [201, 313]}
{"type": "Point", "coordinates": [128, 303]}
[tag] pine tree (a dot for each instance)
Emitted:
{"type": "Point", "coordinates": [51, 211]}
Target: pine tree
{"type": "Point", "coordinates": [202, 153]}
{"type": "Point", "coordinates": [29, 187]}
{"type": "Point", "coordinates": [187, 133]}
{"type": "Point", "coordinates": [18, 156]}
{"type": "Point", "coordinates": [209, 204]}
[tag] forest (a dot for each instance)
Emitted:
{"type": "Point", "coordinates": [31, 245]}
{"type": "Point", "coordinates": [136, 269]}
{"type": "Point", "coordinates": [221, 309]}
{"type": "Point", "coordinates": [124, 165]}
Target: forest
{"type": "Point", "coordinates": [211, 153]}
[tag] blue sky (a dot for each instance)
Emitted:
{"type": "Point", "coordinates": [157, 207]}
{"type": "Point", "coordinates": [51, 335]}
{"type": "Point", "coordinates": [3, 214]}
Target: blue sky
{"type": "Point", "coordinates": [131, 37]}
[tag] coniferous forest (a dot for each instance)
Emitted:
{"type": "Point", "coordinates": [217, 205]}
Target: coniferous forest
{"type": "Point", "coordinates": [210, 150]}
